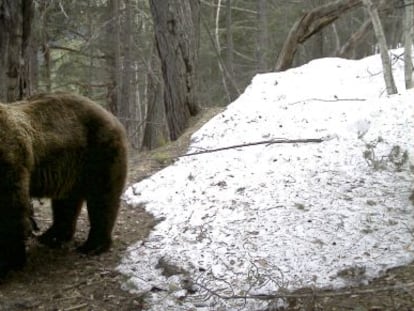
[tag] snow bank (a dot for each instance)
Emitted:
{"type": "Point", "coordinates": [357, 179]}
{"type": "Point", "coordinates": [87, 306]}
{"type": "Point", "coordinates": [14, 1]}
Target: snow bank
{"type": "Point", "coordinates": [250, 221]}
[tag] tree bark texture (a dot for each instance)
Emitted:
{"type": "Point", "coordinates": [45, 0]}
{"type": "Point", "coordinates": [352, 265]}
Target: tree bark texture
{"type": "Point", "coordinates": [15, 30]}
{"type": "Point", "coordinates": [309, 24]}
{"type": "Point", "coordinates": [175, 35]}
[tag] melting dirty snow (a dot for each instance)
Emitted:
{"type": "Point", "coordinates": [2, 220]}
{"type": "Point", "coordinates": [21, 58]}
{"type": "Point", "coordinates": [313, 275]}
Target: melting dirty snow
{"type": "Point", "coordinates": [250, 221]}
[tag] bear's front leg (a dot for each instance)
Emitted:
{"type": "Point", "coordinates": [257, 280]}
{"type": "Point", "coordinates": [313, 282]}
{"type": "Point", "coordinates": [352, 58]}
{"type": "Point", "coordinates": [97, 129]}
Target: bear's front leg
{"type": "Point", "coordinates": [12, 256]}
{"type": "Point", "coordinates": [65, 214]}
{"type": "Point", "coordinates": [14, 217]}
{"type": "Point", "coordinates": [13, 233]}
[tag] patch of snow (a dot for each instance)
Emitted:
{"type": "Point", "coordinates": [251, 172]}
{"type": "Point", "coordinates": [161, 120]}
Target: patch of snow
{"type": "Point", "coordinates": [251, 221]}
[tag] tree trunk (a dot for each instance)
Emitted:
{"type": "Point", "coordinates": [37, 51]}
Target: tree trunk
{"type": "Point", "coordinates": [117, 95]}
{"type": "Point", "coordinates": [47, 77]}
{"type": "Point", "coordinates": [229, 60]}
{"type": "Point", "coordinates": [382, 43]}
{"type": "Point", "coordinates": [262, 36]}
{"type": "Point", "coordinates": [113, 56]}
{"type": "Point", "coordinates": [318, 48]}
{"type": "Point", "coordinates": [348, 49]}
{"type": "Point", "coordinates": [229, 39]}
{"type": "Point", "coordinates": [225, 76]}
{"type": "Point", "coordinates": [156, 131]}
{"type": "Point", "coordinates": [309, 24]}
{"type": "Point", "coordinates": [129, 106]}
{"type": "Point", "coordinates": [175, 35]}
{"type": "Point", "coordinates": [15, 30]}
{"type": "Point", "coordinates": [408, 43]}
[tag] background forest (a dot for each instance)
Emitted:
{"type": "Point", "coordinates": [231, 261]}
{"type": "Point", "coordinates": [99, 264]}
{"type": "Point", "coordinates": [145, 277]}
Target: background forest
{"type": "Point", "coordinates": [119, 52]}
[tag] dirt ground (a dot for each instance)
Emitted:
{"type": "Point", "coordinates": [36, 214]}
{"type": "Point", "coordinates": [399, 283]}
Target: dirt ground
{"type": "Point", "coordinates": [63, 280]}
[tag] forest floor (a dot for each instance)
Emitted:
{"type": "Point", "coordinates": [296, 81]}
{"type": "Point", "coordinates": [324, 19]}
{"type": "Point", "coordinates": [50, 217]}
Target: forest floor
{"type": "Point", "coordinates": [63, 280]}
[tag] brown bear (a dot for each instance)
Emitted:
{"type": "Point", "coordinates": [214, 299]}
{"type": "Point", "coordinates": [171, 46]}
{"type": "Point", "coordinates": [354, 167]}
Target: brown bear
{"type": "Point", "coordinates": [65, 147]}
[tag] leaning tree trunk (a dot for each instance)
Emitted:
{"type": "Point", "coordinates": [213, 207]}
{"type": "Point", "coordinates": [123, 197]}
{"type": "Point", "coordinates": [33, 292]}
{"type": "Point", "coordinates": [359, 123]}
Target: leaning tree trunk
{"type": "Point", "coordinates": [176, 38]}
{"type": "Point", "coordinates": [379, 33]}
{"type": "Point", "coordinates": [308, 25]}
{"type": "Point", "coordinates": [15, 27]}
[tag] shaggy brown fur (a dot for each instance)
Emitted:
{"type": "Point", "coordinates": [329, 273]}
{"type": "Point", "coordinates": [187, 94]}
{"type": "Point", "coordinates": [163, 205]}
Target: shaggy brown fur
{"type": "Point", "coordinates": [69, 149]}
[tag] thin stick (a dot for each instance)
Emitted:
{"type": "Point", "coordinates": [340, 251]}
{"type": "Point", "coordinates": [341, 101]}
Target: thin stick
{"type": "Point", "coordinates": [77, 307]}
{"type": "Point", "coordinates": [328, 100]}
{"type": "Point", "coordinates": [264, 142]}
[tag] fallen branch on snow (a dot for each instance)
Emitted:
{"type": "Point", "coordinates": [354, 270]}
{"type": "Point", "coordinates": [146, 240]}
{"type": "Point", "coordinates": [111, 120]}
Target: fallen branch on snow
{"type": "Point", "coordinates": [264, 142]}
{"type": "Point", "coordinates": [328, 100]}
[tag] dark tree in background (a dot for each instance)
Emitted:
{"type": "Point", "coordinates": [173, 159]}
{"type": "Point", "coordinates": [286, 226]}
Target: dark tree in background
{"type": "Point", "coordinates": [175, 26]}
{"type": "Point", "coordinates": [15, 29]}
{"type": "Point", "coordinates": [156, 131]}
{"type": "Point", "coordinates": [262, 36]}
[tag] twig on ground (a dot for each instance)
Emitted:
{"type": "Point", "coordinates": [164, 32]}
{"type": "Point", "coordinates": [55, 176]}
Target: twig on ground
{"type": "Point", "coordinates": [264, 142]}
{"type": "Point", "coordinates": [328, 100]}
{"type": "Point", "coordinates": [77, 307]}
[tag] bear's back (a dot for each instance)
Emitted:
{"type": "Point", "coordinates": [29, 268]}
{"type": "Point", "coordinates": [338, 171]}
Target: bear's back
{"type": "Point", "coordinates": [62, 135]}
